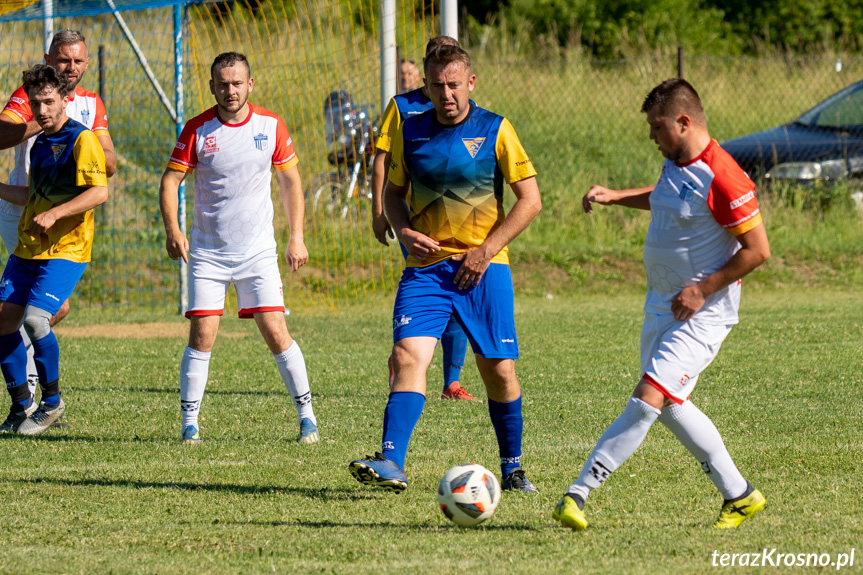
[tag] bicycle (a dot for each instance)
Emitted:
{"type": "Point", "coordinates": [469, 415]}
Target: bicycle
{"type": "Point", "coordinates": [350, 135]}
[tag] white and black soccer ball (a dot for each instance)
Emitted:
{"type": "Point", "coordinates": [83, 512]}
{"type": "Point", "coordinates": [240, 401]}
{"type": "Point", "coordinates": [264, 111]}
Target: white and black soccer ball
{"type": "Point", "coordinates": [468, 494]}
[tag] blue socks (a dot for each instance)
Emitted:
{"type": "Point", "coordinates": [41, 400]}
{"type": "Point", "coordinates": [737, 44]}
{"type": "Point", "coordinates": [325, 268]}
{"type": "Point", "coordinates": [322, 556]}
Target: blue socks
{"type": "Point", "coordinates": [400, 417]}
{"type": "Point", "coordinates": [13, 362]}
{"type": "Point", "coordinates": [454, 345]}
{"type": "Point", "coordinates": [508, 426]}
{"type": "Point", "coordinates": [46, 353]}
{"type": "Point", "coordinates": [13, 359]}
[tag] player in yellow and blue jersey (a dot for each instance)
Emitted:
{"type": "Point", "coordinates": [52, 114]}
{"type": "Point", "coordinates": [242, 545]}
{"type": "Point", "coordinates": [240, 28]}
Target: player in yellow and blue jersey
{"type": "Point", "coordinates": [456, 158]}
{"type": "Point", "coordinates": [55, 235]}
{"type": "Point", "coordinates": [412, 101]}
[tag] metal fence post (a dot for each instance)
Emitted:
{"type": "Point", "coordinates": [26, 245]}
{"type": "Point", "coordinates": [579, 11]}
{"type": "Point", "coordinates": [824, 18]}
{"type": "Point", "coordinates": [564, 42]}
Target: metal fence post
{"type": "Point", "coordinates": [178, 83]}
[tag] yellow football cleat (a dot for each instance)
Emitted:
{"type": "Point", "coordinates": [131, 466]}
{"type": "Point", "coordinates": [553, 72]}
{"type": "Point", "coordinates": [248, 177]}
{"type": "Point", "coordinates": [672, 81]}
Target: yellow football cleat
{"type": "Point", "coordinates": [569, 515]}
{"type": "Point", "coordinates": [736, 512]}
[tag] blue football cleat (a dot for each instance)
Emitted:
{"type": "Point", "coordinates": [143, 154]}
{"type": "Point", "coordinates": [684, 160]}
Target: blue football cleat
{"type": "Point", "coordinates": [308, 432]}
{"type": "Point", "coordinates": [191, 435]}
{"type": "Point", "coordinates": [378, 471]}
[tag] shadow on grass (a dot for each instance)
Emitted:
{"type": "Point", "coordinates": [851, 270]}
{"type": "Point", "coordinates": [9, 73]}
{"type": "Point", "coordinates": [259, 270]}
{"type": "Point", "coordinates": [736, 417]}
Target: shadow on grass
{"type": "Point", "coordinates": [171, 391]}
{"type": "Point", "coordinates": [377, 524]}
{"type": "Point", "coordinates": [317, 396]}
{"type": "Point", "coordinates": [325, 494]}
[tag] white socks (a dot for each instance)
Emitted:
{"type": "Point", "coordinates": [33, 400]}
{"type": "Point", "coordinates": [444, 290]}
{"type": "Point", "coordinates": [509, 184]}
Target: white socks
{"type": "Point", "coordinates": [292, 367]}
{"type": "Point", "coordinates": [194, 368]}
{"type": "Point", "coordinates": [698, 434]}
{"type": "Point", "coordinates": [615, 446]}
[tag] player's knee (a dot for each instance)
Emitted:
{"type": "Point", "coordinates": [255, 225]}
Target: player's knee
{"type": "Point", "coordinates": [405, 359]}
{"type": "Point", "coordinates": [37, 323]}
{"type": "Point", "coordinates": [502, 370]}
{"type": "Point", "coordinates": [61, 313]}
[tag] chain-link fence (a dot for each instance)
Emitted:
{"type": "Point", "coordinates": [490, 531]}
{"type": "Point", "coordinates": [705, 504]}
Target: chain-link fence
{"type": "Point", "coordinates": [578, 118]}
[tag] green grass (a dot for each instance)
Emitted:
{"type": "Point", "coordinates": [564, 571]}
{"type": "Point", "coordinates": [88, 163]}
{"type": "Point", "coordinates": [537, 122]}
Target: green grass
{"type": "Point", "coordinates": [117, 493]}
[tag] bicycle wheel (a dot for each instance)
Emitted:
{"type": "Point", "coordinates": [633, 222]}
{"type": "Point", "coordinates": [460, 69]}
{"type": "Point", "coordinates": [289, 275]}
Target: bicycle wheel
{"type": "Point", "coordinates": [325, 193]}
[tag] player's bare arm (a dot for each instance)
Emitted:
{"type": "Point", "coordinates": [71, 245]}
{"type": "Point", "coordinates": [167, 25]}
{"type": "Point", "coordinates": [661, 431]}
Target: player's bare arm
{"type": "Point", "coordinates": [83, 202]}
{"type": "Point", "coordinates": [380, 225]}
{"type": "Point", "coordinates": [176, 242]}
{"type": "Point", "coordinates": [638, 198]}
{"type": "Point", "coordinates": [14, 194]}
{"type": "Point", "coordinates": [110, 157]}
{"type": "Point", "coordinates": [396, 209]}
{"type": "Point", "coordinates": [293, 203]}
{"type": "Point", "coordinates": [754, 251]}
{"type": "Point", "coordinates": [13, 133]}
{"type": "Point", "coordinates": [474, 262]}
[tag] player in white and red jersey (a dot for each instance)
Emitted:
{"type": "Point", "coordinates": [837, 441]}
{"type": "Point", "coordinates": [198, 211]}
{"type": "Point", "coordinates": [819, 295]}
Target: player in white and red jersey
{"type": "Point", "coordinates": [233, 148]}
{"type": "Point", "coordinates": [67, 53]}
{"type": "Point", "coordinates": [705, 234]}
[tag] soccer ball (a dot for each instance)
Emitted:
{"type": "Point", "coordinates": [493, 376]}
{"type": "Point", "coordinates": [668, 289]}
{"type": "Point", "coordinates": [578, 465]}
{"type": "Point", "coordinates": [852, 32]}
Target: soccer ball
{"type": "Point", "coordinates": [468, 494]}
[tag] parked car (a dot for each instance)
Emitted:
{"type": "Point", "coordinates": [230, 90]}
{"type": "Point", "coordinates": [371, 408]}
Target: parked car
{"type": "Point", "coordinates": [825, 143]}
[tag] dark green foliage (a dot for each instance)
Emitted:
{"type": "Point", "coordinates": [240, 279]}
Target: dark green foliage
{"type": "Point", "coordinates": [720, 27]}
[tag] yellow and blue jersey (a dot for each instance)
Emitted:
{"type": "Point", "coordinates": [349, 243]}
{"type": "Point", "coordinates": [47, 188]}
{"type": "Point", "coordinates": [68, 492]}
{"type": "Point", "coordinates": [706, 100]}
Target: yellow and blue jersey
{"type": "Point", "coordinates": [400, 108]}
{"type": "Point", "coordinates": [456, 173]}
{"type": "Point", "coordinates": [62, 166]}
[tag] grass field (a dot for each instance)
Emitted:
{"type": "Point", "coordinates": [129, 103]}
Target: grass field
{"type": "Point", "coordinates": [117, 493]}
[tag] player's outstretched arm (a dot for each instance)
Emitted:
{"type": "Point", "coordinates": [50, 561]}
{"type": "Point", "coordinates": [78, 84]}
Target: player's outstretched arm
{"type": "Point", "coordinates": [83, 202]}
{"type": "Point", "coordinates": [527, 205]}
{"type": "Point", "coordinates": [14, 194]}
{"type": "Point", "coordinates": [294, 205]}
{"type": "Point", "coordinates": [638, 198]}
{"type": "Point", "coordinates": [176, 243]}
{"type": "Point", "coordinates": [396, 208]}
{"type": "Point", "coordinates": [13, 133]}
{"type": "Point", "coordinates": [754, 251]}
{"type": "Point", "coordinates": [380, 225]}
{"type": "Point", "coordinates": [110, 157]}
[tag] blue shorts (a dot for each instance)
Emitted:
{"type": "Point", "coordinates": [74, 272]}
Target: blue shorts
{"type": "Point", "coordinates": [428, 297]}
{"type": "Point", "coordinates": [45, 284]}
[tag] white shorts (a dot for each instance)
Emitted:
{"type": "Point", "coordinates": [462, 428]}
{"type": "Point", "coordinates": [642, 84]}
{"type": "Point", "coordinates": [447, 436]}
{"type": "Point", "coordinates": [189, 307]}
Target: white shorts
{"type": "Point", "coordinates": [10, 215]}
{"type": "Point", "coordinates": [256, 279]}
{"type": "Point", "coordinates": [674, 353]}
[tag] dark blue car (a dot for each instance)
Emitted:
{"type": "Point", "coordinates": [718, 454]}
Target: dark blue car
{"type": "Point", "coordinates": [825, 143]}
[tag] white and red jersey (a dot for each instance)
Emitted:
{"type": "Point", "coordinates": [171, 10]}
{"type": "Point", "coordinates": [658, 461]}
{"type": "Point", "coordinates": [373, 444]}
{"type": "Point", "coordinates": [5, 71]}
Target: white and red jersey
{"type": "Point", "coordinates": [233, 169]}
{"type": "Point", "coordinates": [84, 106]}
{"type": "Point", "coordinates": [697, 210]}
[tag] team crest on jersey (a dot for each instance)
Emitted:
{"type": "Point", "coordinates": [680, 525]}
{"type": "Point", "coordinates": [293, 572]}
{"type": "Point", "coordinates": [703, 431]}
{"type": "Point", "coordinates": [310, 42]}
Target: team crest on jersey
{"type": "Point", "coordinates": [685, 188]}
{"type": "Point", "coordinates": [210, 145]}
{"type": "Point", "coordinates": [473, 145]}
{"type": "Point", "coordinates": [58, 150]}
{"type": "Point", "coordinates": [85, 115]}
{"type": "Point", "coordinates": [261, 141]}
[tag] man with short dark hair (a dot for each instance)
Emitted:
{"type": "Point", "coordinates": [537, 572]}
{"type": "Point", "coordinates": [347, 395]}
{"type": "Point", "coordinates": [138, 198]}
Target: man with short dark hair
{"type": "Point", "coordinates": [410, 103]}
{"type": "Point", "coordinates": [67, 54]}
{"type": "Point", "coordinates": [705, 234]}
{"type": "Point", "coordinates": [233, 149]}
{"type": "Point", "coordinates": [455, 159]}
{"type": "Point", "coordinates": [67, 181]}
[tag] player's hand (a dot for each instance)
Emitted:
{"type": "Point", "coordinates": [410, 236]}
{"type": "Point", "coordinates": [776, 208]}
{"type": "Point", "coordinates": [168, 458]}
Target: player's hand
{"type": "Point", "coordinates": [685, 304]}
{"type": "Point", "coordinates": [418, 245]}
{"type": "Point", "coordinates": [381, 228]}
{"type": "Point", "coordinates": [177, 246]}
{"type": "Point", "coordinates": [473, 264]}
{"type": "Point", "coordinates": [296, 254]}
{"type": "Point", "coordinates": [41, 223]}
{"type": "Point", "coordinates": [599, 195]}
